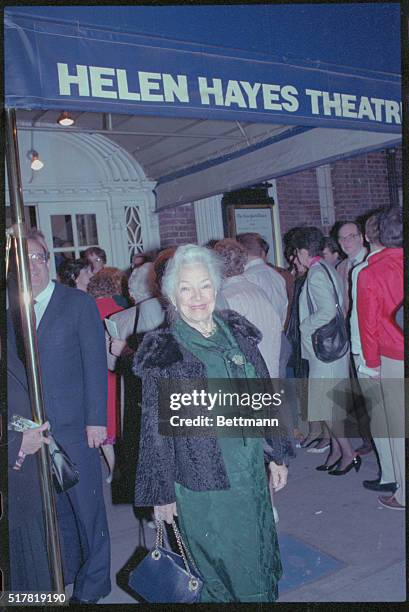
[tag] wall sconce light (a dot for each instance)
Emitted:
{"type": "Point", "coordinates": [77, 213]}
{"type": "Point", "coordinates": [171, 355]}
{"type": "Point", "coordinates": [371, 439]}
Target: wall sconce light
{"type": "Point", "coordinates": [65, 119]}
{"type": "Point", "coordinates": [36, 163]}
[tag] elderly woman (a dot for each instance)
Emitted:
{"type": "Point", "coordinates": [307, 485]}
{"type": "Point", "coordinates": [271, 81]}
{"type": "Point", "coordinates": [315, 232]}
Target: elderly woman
{"type": "Point", "coordinates": [147, 314]}
{"type": "Point", "coordinates": [326, 380]}
{"type": "Point", "coordinates": [216, 486]}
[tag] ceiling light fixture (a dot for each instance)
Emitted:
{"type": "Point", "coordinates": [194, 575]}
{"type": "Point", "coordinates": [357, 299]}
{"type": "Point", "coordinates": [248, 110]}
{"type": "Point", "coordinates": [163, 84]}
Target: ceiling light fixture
{"type": "Point", "coordinates": [36, 163]}
{"type": "Point", "coordinates": [65, 119]}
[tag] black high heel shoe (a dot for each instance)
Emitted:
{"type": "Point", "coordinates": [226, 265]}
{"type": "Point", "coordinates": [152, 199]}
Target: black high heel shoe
{"type": "Point", "coordinates": [355, 463]}
{"type": "Point", "coordinates": [303, 445]}
{"type": "Point", "coordinates": [326, 468]}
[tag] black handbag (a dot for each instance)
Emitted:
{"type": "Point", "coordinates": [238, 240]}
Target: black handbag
{"type": "Point", "coordinates": [167, 577]}
{"type": "Point", "coordinates": [330, 342]}
{"type": "Point", "coordinates": [64, 471]}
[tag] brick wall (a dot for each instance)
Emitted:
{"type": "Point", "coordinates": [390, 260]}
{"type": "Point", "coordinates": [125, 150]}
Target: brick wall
{"type": "Point", "coordinates": [298, 200]}
{"type": "Point", "coordinates": [359, 184]}
{"type": "Point", "coordinates": [177, 226]}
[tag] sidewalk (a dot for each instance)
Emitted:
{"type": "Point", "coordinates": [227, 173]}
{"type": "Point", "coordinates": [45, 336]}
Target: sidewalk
{"type": "Point", "coordinates": [330, 526]}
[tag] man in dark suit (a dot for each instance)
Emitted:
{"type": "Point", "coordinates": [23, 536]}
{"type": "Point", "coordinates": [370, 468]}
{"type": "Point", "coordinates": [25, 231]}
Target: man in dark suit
{"type": "Point", "coordinates": [29, 570]}
{"type": "Point", "coordinates": [73, 364]}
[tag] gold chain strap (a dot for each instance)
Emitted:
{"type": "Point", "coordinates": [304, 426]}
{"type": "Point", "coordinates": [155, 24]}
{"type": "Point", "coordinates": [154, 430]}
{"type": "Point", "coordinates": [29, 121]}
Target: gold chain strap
{"type": "Point", "coordinates": [184, 551]}
{"type": "Point", "coordinates": [182, 546]}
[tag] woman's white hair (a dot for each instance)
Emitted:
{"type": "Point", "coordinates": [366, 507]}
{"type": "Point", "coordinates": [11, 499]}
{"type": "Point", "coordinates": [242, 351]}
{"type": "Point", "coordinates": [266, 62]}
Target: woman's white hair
{"type": "Point", "coordinates": [189, 254]}
{"type": "Point", "coordinates": [141, 282]}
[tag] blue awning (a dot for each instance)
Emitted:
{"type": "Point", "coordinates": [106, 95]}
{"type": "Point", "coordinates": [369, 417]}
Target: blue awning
{"type": "Point", "coordinates": [98, 63]}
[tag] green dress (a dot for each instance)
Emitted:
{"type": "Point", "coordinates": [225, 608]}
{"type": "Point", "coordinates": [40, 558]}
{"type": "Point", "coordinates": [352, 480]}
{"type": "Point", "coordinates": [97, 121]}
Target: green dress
{"type": "Point", "coordinates": [231, 533]}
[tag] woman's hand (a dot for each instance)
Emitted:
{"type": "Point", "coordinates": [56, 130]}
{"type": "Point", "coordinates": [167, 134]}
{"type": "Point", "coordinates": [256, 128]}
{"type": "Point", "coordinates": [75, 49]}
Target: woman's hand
{"type": "Point", "coordinates": [96, 434]}
{"type": "Point", "coordinates": [33, 439]}
{"type": "Point", "coordinates": [116, 346]}
{"type": "Point", "coordinates": [278, 474]}
{"type": "Point", "coordinates": [165, 513]}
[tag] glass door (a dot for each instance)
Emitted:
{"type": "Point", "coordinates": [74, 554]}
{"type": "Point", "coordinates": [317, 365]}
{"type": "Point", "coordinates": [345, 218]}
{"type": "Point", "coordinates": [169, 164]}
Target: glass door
{"type": "Point", "coordinates": [71, 228]}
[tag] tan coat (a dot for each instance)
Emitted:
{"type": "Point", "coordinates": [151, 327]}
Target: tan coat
{"type": "Point", "coordinates": [323, 377]}
{"type": "Point", "coordinates": [151, 315]}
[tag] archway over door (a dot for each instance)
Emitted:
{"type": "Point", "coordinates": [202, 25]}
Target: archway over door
{"type": "Point", "coordinates": [89, 192]}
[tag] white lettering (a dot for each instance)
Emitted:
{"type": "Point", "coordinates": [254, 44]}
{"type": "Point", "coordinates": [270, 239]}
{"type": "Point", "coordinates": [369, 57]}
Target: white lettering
{"type": "Point", "coordinates": [123, 91]}
{"type": "Point", "coordinates": [277, 399]}
{"type": "Point", "coordinates": [176, 88]}
{"type": "Point", "coordinates": [289, 94]}
{"type": "Point", "coordinates": [251, 92]}
{"type": "Point", "coordinates": [98, 82]}
{"type": "Point", "coordinates": [329, 104]}
{"type": "Point", "coordinates": [365, 109]}
{"type": "Point", "coordinates": [207, 90]}
{"type": "Point", "coordinates": [147, 84]}
{"type": "Point", "coordinates": [234, 95]}
{"type": "Point", "coordinates": [392, 111]}
{"type": "Point", "coordinates": [348, 105]}
{"type": "Point", "coordinates": [314, 95]}
{"type": "Point", "coordinates": [186, 399]}
{"type": "Point", "coordinates": [80, 79]}
{"type": "Point", "coordinates": [378, 103]}
{"type": "Point", "coordinates": [212, 400]}
{"type": "Point", "coordinates": [222, 421]}
{"type": "Point", "coordinates": [269, 96]}
{"type": "Point", "coordinates": [174, 401]}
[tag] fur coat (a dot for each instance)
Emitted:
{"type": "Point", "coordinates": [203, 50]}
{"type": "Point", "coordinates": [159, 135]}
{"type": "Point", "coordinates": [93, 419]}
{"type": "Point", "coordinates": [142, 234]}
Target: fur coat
{"type": "Point", "coordinates": [194, 462]}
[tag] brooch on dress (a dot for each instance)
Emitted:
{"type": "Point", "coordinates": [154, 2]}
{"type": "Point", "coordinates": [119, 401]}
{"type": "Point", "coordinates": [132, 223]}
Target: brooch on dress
{"type": "Point", "coordinates": [238, 359]}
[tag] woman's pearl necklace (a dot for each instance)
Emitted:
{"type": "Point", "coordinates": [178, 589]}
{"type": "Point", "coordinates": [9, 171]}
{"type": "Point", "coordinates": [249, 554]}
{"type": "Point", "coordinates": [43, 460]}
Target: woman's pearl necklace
{"type": "Point", "coordinates": [207, 334]}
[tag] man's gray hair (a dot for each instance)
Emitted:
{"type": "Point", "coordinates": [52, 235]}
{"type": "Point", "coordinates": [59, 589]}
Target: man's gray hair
{"type": "Point", "coordinates": [189, 254]}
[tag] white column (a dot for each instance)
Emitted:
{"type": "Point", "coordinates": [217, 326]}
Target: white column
{"type": "Point", "coordinates": [150, 227]}
{"type": "Point", "coordinates": [325, 194]}
{"type": "Point", "coordinates": [278, 243]}
{"type": "Point", "coordinates": [209, 220]}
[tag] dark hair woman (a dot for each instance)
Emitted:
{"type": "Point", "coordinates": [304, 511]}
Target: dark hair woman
{"type": "Point", "coordinates": [331, 251]}
{"type": "Point", "coordinates": [327, 381]}
{"type": "Point", "coordinates": [75, 274]}
{"type": "Point", "coordinates": [96, 258]}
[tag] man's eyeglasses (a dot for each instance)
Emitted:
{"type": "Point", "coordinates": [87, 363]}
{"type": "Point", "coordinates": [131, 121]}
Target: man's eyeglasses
{"type": "Point", "coordinates": [38, 257]}
{"type": "Point", "coordinates": [348, 237]}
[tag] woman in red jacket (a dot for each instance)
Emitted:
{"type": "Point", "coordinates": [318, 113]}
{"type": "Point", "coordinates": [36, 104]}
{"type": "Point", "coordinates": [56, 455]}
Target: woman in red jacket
{"type": "Point", "coordinates": [103, 287]}
{"type": "Point", "coordinates": [380, 294]}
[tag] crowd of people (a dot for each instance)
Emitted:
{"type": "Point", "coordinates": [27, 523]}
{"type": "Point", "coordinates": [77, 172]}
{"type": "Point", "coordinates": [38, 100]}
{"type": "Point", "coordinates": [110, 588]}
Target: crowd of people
{"type": "Point", "coordinates": [209, 313]}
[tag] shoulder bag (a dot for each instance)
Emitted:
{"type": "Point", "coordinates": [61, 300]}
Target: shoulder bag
{"type": "Point", "coordinates": [167, 577]}
{"type": "Point", "coordinates": [330, 342]}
